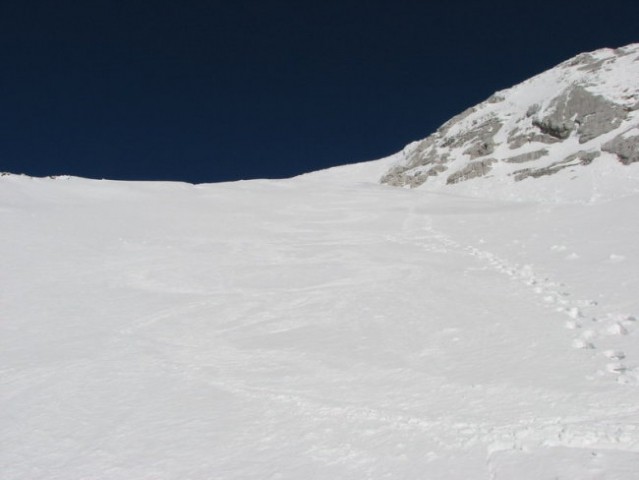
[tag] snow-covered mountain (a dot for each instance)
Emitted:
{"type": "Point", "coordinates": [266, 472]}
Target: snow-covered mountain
{"type": "Point", "coordinates": [583, 111]}
{"type": "Point", "coordinates": [329, 327]}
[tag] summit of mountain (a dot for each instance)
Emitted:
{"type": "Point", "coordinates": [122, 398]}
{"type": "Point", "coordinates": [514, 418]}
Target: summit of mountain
{"type": "Point", "coordinates": [576, 121]}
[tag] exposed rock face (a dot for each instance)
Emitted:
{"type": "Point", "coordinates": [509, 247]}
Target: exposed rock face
{"type": "Point", "coordinates": [527, 157]}
{"type": "Point", "coordinates": [625, 147]}
{"type": "Point", "coordinates": [578, 109]}
{"type": "Point", "coordinates": [472, 170]}
{"type": "Point", "coordinates": [579, 158]}
{"type": "Point", "coordinates": [564, 118]}
{"type": "Point", "coordinates": [481, 139]}
{"type": "Point", "coordinates": [516, 140]}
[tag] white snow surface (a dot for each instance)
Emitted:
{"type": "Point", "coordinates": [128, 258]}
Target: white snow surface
{"type": "Point", "coordinates": [321, 327]}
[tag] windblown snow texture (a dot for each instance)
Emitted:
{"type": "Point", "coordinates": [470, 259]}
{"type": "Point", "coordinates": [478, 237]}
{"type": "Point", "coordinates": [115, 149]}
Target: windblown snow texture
{"type": "Point", "coordinates": [330, 327]}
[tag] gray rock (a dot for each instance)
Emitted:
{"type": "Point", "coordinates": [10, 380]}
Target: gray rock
{"type": "Point", "coordinates": [443, 130]}
{"type": "Point", "coordinates": [423, 154]}
{"type": "Point", "coordinates": [435, 170]}
{"type": "Point", "coordinates": [397, 177]}
{"type": "Point", "coordinates": [578, 109]}
{"type": "Point", "coordinates": [591, 64]}
{"type": "Point", "coordinates": [474, 169]}
{"type": "Point", "coordinates": [480, 149]}
{"type": "Point", "coordinates": [579, 158]}
{"type": "Point", "coordinates": [495, 98]}
{"type": "Point", "coordinates": [482, 138]}
{"type": "Point", "coordinates": [586, 62]}
{"type": "Point", "coordinates": [584, 158]}
{"type": "Point", "coordinates": [394, 179]}
{"type": "Point", "coordinates": [426, 152]}
{"type": "Point", "coordinates": [527, 157]}
{"type": "Point", "coordinates": [626, 149]}
{"type": "Point", "coordinates": [624, 51]}
{"type": "Point", "coordinates": [517, 140]}
{"type": "Point", "coordinates": [554, 127]}
{"type": "Point", "coordinates": [532, 110]}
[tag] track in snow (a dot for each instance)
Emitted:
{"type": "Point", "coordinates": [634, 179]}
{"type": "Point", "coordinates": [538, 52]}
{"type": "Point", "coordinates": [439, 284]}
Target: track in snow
{"type": "Point", "coordinates": [586, 317]}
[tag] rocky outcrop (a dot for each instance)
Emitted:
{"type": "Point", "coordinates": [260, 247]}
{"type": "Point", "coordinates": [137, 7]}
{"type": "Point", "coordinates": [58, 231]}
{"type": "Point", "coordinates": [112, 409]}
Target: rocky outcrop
{"type": "Point", "coordinates": [626, 147]}
{"type": "Point", "coordinates": [472, 170]}
{"type": "Point", "coordinates": [576, 109]}
{"type": "Point", "coordinates": [517, 140]}
{"type": "Point", "coordinates": [482, 139]}
{"type": "Point", "coordinates": [579, 158]}
{"type": "Point", "coordinates": [527, 157]}
{"type": "Point", "coordinates": [398, 178]}
{"type": "Point", "coordinates": [560, 119]}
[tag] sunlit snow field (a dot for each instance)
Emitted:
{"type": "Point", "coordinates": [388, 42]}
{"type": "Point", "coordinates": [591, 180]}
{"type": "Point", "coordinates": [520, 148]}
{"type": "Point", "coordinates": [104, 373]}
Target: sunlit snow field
{"type": "Point", "coordinates": [322, 327]}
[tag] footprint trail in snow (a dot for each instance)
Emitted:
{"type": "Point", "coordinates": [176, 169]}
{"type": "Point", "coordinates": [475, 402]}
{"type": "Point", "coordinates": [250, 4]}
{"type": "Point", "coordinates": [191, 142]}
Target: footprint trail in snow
{"type": "Point", "coordinates": [594, 328]}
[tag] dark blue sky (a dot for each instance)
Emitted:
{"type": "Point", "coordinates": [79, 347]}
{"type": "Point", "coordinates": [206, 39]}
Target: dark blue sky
{"type": "Point", "coordinates": [214, 91]}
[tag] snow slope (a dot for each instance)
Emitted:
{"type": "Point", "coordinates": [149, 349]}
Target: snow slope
{"type": "Point", "coordinates": [322, 327]}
